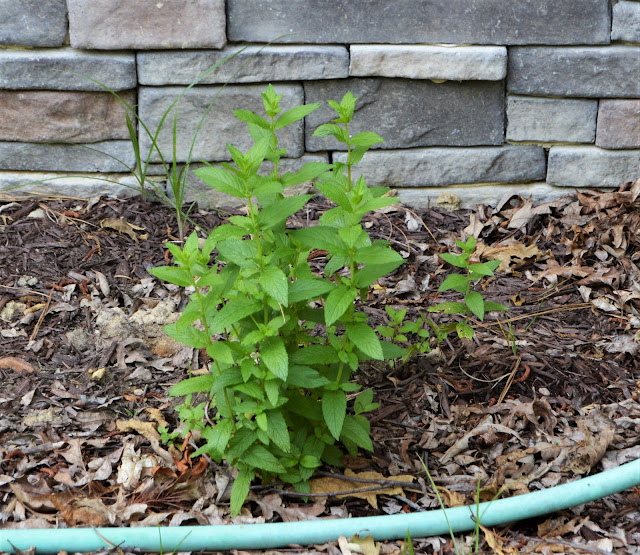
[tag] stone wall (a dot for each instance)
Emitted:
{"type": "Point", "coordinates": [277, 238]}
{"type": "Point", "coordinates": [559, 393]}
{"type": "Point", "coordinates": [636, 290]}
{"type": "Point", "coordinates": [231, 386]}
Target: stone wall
{"type": "Point", "coordinates": [473, 97]}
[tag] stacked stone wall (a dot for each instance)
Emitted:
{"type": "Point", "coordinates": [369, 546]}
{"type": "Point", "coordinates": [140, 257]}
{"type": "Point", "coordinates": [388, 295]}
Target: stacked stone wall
{"type": "Point", "coordinates": [473, 97]}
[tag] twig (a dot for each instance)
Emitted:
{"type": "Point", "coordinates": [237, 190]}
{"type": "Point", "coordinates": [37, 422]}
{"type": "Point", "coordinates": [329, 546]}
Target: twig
{"type": "Point", "coordinates": [510, 380]}
{"type": "Point", "coordinates": [42, 315]}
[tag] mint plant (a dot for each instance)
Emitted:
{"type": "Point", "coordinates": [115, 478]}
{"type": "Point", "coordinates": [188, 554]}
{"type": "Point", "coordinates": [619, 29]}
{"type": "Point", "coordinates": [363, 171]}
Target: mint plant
{"type": "Point", "coordinates": [283, 340]}
{"type": "Point", "coordinates": [473, 302]}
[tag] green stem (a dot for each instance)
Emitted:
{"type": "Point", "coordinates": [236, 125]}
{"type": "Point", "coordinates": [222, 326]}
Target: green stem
{"type": "Point", "coordinates": [346, 128]}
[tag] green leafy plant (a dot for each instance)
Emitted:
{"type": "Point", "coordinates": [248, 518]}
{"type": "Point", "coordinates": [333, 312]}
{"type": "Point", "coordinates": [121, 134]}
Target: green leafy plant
{"type": "Point", "coordinates": [473, 302]}
{"type": "Point", "coordinates": [284, 340]}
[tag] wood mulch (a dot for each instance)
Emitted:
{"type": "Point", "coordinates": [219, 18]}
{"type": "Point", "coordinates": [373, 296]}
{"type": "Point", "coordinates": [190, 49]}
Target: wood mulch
{"type": "Point", "coordinates": [542, 395]}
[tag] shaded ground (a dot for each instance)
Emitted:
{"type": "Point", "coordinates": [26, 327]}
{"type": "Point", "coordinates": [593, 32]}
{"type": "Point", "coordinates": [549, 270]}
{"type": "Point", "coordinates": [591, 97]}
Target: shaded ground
{"type": "Point", "coordinates": [542, 395]}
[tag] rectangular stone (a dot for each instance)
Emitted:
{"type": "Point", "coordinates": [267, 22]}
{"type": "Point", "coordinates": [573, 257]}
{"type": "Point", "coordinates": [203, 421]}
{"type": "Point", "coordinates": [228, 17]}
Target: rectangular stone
{"type": "Point", "coordinates": [66, 69]}
{"type": "Point", "coordinates": [431, 167]}
{"type": "Point", "coordinates": [618, 124]}
{"type": "Point", "coordinates": [549, 120]}
{"type": "Point", "coordinates": [429, 21]}
{"type": "Point", "coordinates": [453, 197]}
{"type": "Point", "coordinates": [590, 166]}
{"type": "Point", "coordinates": [589, 71]}
{"type": "Point", "coordinates": [220, 126]}
{"type": "Point", "coordinates": [626, 22]}
{"type": "Point", "coordinates": [412, 113]}
{"type": "Point", "coordinates": [62, 116]}
{"type": "Point", "coordinates": [146, 24]}
{"type": "Point", "coordinates": [33, 22]}
{"type": "Point", "coordinates": [108, 156]}
{"type": "Point", "coordinates": [254, 64]}
{"type": "Point", "coordinates": [460, 63]}
{"type": "Point", "coordinates": [83, 186]}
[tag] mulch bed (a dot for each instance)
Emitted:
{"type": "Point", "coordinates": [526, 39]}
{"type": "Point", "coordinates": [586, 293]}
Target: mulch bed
{"type": "Point", "coordinates": [540, 396]}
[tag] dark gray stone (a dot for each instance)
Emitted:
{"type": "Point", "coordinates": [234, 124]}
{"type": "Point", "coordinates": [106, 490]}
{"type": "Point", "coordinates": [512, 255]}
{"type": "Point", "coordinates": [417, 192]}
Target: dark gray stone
{"type": "Point", "coordinates": [33, 22]}
{"type": "Point", "coordinates": [549, 120]}
{"type": "Point", "coordinates": [590, 71]}
{"type": "Point", "coordinates": [590, 166]}
{"type": "Point", "coordinates": [429, 167]}
{"type": "Point", "coordinates": [415, 21]}
{"type": "Point", "coordinates": [64, 70]}
{"type": "Point", "coordinates": [412, 113]}
{"type": "Point", "coordinates": [255, 64]}
{"type": "Point", "coordinates": [618, 124]}
{"type": "Point", "coordinates": [626, 22]}
{"type": "Point", "coordinates": [419, 61]}
{"type": "Point", "coordinates": [108, 156]}
{"type": "Point", "coordinates": [220, 126]}
{"type": "Point", "coordinates": [146, 24]}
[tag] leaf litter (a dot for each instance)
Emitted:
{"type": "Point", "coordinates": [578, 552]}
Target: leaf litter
{"type": "Point", "coordinates": [542, 395]}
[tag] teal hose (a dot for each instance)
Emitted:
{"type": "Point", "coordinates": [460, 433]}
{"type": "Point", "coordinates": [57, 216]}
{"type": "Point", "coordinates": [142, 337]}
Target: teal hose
{"type": "Point", "coordinates": [263, 536]}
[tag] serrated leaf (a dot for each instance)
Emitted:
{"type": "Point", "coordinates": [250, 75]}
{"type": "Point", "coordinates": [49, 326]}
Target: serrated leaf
{"type": "Point", "coordinates": [305, 289]}
{"type": "Point", "coordinates": [277, 430]}
{"type": "Point", "coordinates": [370, 273]}
{"type": "Point", "coordinates": [458, 260]}
{"type": "Point", "coordinates": [295, 114]}
{"type": "Point", "coordinates": [260, 457]}
{"type": "Point", "coordinates": [222, 180]}
{"type": "Point", "coordinates": [309, 171]}
{"type": "Point", "coordinates": [198, 384]}
{"type": "Point", "coordinates": [249, 117]}
{"type": "Point", "coordinates": [275, 283]}
{"type": "Point", "coordinates": [315, 354]}
{"type": "Point", "coordinates": [231, 313]}
{"type": "Point", "coordinates": [391, 350]}
{"type": "Point", "coordinates": [475, 302]}
{"type": "Point", "coordinates": [482, 269]}
{"type": "Point", "coordinates": [494, 307]}
{"type": "Point", "coordinates": [240, 490]}
{"type": "Point", "coordinates": [457, 282]}
{"type": "Point", "coordinates": [367, 138]}
{"type": "Point", "coordinates": [465, 331]}
{"type": "Point", "coordinates": [331, 129]}
{"type": "Point", "coordinates": [338, 302]}
{"type": "Point", "coordinates": [274, 355]}
{"type": "Point", "coordinates": [321, 237]}
{"type": "Point", "coordinates": [334, 409]}
{"type": "Point", "coordinates": [378, 255]}
{"type": "Point", "coordinates": [280, 210]}
{"type": "Point", "coordinates": [335, 193]}
{"type": "Point", "coordinates": [303, 376]}
{"type": "Point", "coordinates": [188, 335]}
{"type": "Point", "coordinates": [172, 274]}
{"type": "Point", "coordinates": [357, 429]}
{"type": "Point", "coordinates": [365, 339]}
{"type": "Point", "coordinates": [272, 390]}
{"type": "Point", "coordinates": [217, 438]}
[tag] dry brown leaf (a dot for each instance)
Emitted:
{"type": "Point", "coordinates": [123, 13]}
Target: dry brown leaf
{"type": "Point", "coordinates": [272, 503]}
{"type": "Point", "coordinates": [496, 543]}
{"type": "Point", "coordinates": [336, 485]}
{"type": "Point", "coordinates": [514, 254]}
{"type": "Point", "coordinates": [523, 215]}
{"type": "Point", "coordinates": [147, 430]}
{"type": "Point", "coordinates": [16, 364]}
{"type": "Point", "coordinates": [122, 226]}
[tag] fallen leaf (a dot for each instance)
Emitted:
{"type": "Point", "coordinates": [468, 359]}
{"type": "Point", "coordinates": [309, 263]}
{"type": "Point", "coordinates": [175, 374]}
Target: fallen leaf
{"type": "Point", "coordinates": [122, 226]}
{"type": "Point", "coordinates": [514, 254]}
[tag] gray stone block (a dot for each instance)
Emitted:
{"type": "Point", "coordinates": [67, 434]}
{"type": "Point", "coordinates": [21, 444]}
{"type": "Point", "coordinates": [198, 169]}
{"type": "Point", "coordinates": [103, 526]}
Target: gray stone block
{"type": "Point", "coordinates": [472, 195]}
{"type": "Point", "coordinates": [220, 126]}
{"type": "Point", "coordinates": [461, 63]}
{"type": "Point", "coordinates": [412, 113]}
{"type": "Point", "coordinates": [146, 24]}
{"type": "Point", "coordinates": [255, 64]}
{"type": "Point", "coordinates": [618, 124]}
{"type": "Point", "coordinates": [83, 186]}
{"type": "Point", "coordinates": [109, 156]}
{"type": "Point", "coordinates": [429, 167]}
{"type": "Point", "coordinates": [33, 22]}
{"type": "Point", "coordinates": [65, 70]}
{"type": "Point", "coordinates": [590, 166]}
{"type": "Point", "coordinates": [429, 21]}
{"type": "Point", "coordinates": [626, 22]}
{"type": "Point", "coordinates": [62, 116]}
{"type": "Point", "coordinates": [589, 71]}
{"type": "Point", "coordinates": [549, 120]}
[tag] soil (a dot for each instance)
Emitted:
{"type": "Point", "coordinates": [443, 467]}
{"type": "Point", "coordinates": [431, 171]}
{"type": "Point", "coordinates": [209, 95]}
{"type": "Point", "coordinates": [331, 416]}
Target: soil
{"type": "Point", "coordinates": [542, 395]}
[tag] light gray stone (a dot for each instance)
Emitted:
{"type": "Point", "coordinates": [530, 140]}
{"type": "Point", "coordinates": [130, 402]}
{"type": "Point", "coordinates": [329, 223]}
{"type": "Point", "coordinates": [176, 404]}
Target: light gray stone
{"type": "Point", "coordinates": [472, 195]}
{"type": "Point", "coordinates": [205, 196]}
{"type": "Point", "coordinates": [618, 124]}
{"type": "Point", "coordinates": [626, 22]}
{"type": "Point", "coordinates": [33, 22]}
{"type": "Point", "coordinates": [550, 120]}
{"type": "Point", "coordinates": [462, 63]}
{"type": "Point", "coordinates": [590, 166]}
{"type": "Point", "coordinates": [589, 71]}
{"type": "Point", "coordinates": [429, 21]}
{"type": "Point", "coordinates": [412, 113]}
{"type": "Point", "coordinates": [146, 24]}
{"type": "Point", "coordinates": [62, 116]}
{"type": "Point", "coordinates": [254, 64]}
{"type": "Point", "coordinates": [66, 69]}
{"type": "Point", "coordinates": [83, 186]}
{"type": "Point", "coordinates": [220, 126]}
{"type": "Point", "coordinates": [109, 156]}
{"type": "Point", "coordinates": [430, 167]}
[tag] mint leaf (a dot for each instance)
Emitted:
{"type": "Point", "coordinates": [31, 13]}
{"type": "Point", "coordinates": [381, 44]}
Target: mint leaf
{"type": "Point", "coordinates": [274, 355]}
{"type": "Point", "coordinates": [475, 302]}
{"type": "Point", "coordinates": [337, 303]}
{"type": "Point", "coordinates": [334, 408]}
{"type": "Point", "coordinates": [275, 284]}
{"type": "Point", "coordinates": [365, 339]}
